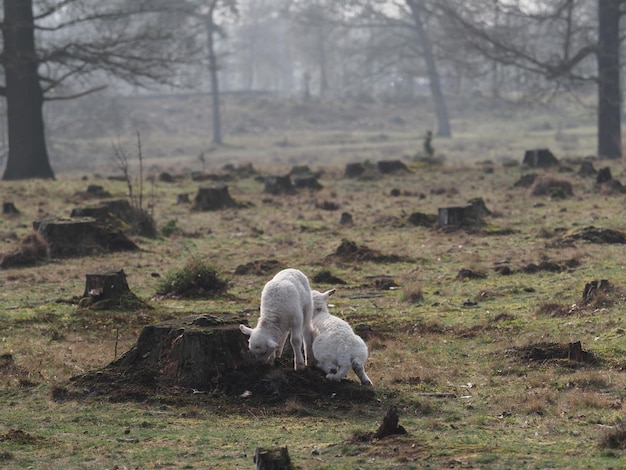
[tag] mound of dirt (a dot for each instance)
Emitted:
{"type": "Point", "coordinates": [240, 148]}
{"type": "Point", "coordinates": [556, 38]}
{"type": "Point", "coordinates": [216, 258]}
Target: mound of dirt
{"type": "Point", "coordinates": [348, 252]}
{"type": "Point", "coordinates": [596, 235]}
{"type": "Point", "coordinates": [541, 352]}
{"type": "Point", "coordinates": [260, 267]}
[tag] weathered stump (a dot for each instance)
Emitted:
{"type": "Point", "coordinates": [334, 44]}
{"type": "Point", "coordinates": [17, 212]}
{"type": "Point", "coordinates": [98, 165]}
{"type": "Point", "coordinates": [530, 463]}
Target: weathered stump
{"type": "Point", "coordinates": [190, 352]}
{"type": "Point", "coordinates": [213, 199]}
{"type": "Point", "coordinates": [604, 175]}
{"type": "Point", "coordinates": [391, 166]}
{"type": "Point", "coordinates": [539, 158]}
{"type": "Point", "coordinates": [8, 208]}
{"type": "Point", "coordinates": [106, 285]}
{"type": "Point", "coordinates": [586, 169]}
{"type": "Point", "coordinates": [82, 237]}
{"type": "Point", "coordinates": [422, 220]}
{"type": "Point", "coordinates": [276, 458]}
{"type": "Point", "coordinates": [277, 184]}
{"type": "Point", "coordinates": [575, 353]}
{"type": "Point", "coordinates": [390, 425]}
{"type": "Point", "coordinates": [470, 215]}
{"type": "Point", "coordinates": [101, 212]}
{"type": "Point", "coordinates": [354, 170]}
{"type": "Point", "coordinates": [307, 182]}
{"type": "Point", "coordinates": [97, 190]}
{"type": "Point", "coordinates": [593, 288]}
{"type": "Point", "coordinates": [182, 198]}
{"type": "Point", "coordinates": [346, 219]}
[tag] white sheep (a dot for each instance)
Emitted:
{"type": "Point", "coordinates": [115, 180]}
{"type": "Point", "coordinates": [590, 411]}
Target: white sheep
{"type": "Point", "coordinates": [336, 348]}
{"type": "Point", "coordinates": [286, 307]}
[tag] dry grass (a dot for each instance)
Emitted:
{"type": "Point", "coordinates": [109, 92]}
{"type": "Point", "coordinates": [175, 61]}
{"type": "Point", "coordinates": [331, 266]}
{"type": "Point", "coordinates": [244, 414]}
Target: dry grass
{"type": "Point", "coordinates": [439, 349]}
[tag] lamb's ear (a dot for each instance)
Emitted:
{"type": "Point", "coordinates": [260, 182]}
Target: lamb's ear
{"type": "Point", "coordinates": [328, 293]}
{"type": "Point", "coordinates": [271, 343]}
{"type": "Point", "coordinates": [245, 330]}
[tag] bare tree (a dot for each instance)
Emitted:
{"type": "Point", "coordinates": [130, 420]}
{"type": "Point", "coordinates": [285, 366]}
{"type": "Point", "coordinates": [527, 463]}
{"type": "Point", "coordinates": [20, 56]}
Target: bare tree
{"type": "Point", "coordinates": [556, 40]}
{"type": "Point", "coordinates": [59, 49]}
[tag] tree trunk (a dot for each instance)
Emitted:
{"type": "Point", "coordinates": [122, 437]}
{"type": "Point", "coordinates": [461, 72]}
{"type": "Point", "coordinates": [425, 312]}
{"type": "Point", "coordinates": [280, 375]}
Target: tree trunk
{"type": "Point", "coordinates": [433, 73]}
{"type": "Point", "coordinates": [28, 155]}
{"type": "Point", "coordinates": [215, 89]}
{"type": "Point", "coordinates": [609, 93]}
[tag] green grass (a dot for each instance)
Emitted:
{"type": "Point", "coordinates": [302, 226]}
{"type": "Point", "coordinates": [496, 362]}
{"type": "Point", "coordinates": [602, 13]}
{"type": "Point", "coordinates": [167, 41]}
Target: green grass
{"type": "Point", "coordinates": [450, 362]}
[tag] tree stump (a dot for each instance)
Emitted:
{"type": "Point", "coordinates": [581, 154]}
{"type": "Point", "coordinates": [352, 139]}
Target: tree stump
{"type": "Point", "coordinates": [276, 458]}
{"type": "Point", "coordinates": [387, 167]}
{"type": "Point", "coordinates": [188, 352]}
{"type": "Point", "coordinates": [8, 208]}
{"type": "Point", "coordinates": [82, 237]}
{"type": "Point", "coordinates": [575, 352]}
{"type": "Point", "coordinates": [279, 185]}
{"type": "Point", "coordinates": [539, 158]}
{"type": "Point", "coordinates": [106, 285]}
{"type": "Point", "coordinates": [470, 215]}
{"type": "Point", "coordinates": [100, 212]}
{"type": "Point", "coordinates": [593, 288]}
{"type": "Point", "coordinates": [390, 425]}
{"type": "Point", "coordinates": [354, 170]}
{"type": "Point", "coordinates": [586, 169]}
{"type": "Point", "coordinates": [213, 199]}
{"type": "Point", "coordinates": [346, 219]}
{"type": "Point", "coordinates": [307, 182]}
{"type": "Point", "coordinates": [182, 198]}
{"type": "Point", "coordinates": [604, 175]}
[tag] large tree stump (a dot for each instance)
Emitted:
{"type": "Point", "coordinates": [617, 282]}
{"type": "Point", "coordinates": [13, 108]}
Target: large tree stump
{"type": "Point", "coordinates": [470, 215]}
{"type": "Point", "coordinates": [539, 158]}
{"type": "Point", "coordinates": [106, 285]}
{"type": "Point", "coordinates": [82, 237]}
{"type": "Point", "coordinates": [213, 199]}
{"type": "Point", "coordinates": [190, 352]}
{"type": "Point", "coordinates": [276, 458]}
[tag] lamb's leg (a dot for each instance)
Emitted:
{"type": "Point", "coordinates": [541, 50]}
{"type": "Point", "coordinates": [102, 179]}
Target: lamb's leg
{"type": "Point", "coordinates": [308, 336]}
{"type": "Point", "coordinates": [359, 370]}
{"type": "Point", "coordinates": [282, 345]}
{"type": "Point", "coordinates": [296, 345]}
{"type": "Point", "coordinates": [340, 373]}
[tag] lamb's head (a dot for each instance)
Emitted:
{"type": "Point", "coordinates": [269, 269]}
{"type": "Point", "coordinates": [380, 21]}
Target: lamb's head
{"type": "Point", "coordinates": [319, 301]}
{"type": "Point", "coordinates": [262, 347]}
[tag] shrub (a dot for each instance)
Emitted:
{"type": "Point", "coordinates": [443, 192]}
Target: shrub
{"type": "Point", "coordinates": [195, 279]}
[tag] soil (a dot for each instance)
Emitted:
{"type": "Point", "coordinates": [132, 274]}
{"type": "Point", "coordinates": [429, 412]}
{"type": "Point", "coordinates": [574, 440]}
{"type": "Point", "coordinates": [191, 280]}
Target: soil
{"type": "Point", "coordinates": [256, 385]}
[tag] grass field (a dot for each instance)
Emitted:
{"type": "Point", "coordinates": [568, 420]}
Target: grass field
{"type": "Point", "coordinates": [477, 366]}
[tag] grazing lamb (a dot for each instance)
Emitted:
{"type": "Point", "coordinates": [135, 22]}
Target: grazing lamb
{"type": "Point", "coordinates": [336, 348]}
{"type": "Point", "coordinates": [286, 307]}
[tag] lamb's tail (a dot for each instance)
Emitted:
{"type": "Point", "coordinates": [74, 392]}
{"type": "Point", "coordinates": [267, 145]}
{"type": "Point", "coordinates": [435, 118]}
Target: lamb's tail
{"type": "Point", "coordinates": [359, 369]}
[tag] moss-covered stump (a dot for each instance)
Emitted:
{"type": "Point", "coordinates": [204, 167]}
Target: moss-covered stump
{"type": "Point", "coordinates": [82, 237]}
{"type": "Point", "coordinates": [190, 352]}
{"type": "Point", "coordinates": [109, 291]}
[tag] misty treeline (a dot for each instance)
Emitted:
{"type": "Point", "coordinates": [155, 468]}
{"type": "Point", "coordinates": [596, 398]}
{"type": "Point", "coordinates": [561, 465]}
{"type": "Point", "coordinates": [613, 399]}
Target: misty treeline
{"type": "Point", "coordinates": [311, 49]}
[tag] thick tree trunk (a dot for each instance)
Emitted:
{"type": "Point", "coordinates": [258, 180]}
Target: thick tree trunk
{"type": "Point", "coordinates": [28, 155]}
{"type": "Point", "coordinates": [433, 73]}
{"type": "Point", "coordinates": [609, 93]}
{"type": "Point", "coordinates": [215, 89]}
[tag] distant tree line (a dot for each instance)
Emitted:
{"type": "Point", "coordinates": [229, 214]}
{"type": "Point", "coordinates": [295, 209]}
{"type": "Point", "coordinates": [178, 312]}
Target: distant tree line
{"type": "Point", "coordinates": [63, 49]}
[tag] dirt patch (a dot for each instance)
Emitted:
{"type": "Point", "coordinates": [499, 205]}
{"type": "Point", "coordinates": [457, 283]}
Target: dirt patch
{"type": "Point", "coordinates": [596, 235]}
{"type": "Point", "coordinates": [260, 267]}
{"type": "Point", "coordinates": [545, 351]}
{"type": "Point", "coordinates": [255, 385]}
{"type": "Point", "coordinates": [17, 436]}
{"type": "Point", "coordinates": [348, 252]}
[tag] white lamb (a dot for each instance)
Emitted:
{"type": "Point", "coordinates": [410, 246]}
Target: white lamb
{"type": "Point", "coordinates": [336, 348]}
{"type": "Point", "coordinates": [286, 307]}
